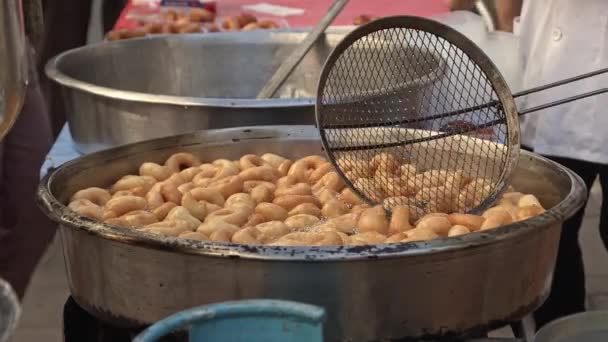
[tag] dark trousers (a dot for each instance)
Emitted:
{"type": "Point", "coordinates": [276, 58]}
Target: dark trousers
{"type": "Point", "coordinates": [66, 25]}
{"type": "Point", "coordinates": [111, 12]}
{"type": "Point", "coordinates": [25, 231]}
{"type": "Point", "coordinates": [568, 289]}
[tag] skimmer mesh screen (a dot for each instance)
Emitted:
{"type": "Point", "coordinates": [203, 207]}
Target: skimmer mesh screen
{"type": "Point", "coordinates": [410, 114]}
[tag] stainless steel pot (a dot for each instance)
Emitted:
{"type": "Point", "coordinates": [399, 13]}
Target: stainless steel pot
{"type": "Point", "coordinates": [435, 288]}
{"type": "Point", "coordinates": [138, 89]}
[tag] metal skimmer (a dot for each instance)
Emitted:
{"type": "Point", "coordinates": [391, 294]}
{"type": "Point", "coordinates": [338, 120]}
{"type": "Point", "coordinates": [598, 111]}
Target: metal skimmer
{"type": "Point", "coordinates": [411, 112]}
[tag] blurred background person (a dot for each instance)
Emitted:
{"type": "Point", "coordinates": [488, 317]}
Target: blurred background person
{"type": "Point", "coordinates": [52, 27]}
{"type": "Point", "coordinates": [502, 11]}
{"type": "Point", "coordinates": [66, 27]}
{"type": "Point", "coordinates": [561, 39]}
{"type": "Point", "coordinates": [25, 231]}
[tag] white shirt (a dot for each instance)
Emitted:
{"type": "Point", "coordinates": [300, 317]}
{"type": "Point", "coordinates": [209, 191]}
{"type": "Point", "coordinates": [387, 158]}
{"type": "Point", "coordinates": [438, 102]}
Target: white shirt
{"type": "Point", "coordinates": [560, 39]}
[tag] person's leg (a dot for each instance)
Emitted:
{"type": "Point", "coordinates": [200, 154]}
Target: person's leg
{"type": "Point", "coordinates": [460, 5]}
{"type": "Point", "coordinates": [568, 289]}
{"type": "Point", "coordinates": [66, 25]}
{"type": "Point", "coordinates": [506, 11]}
{"type": "Point", "coordinates": [111, 12]}
{"type": "Point", "coordinates": [604, 210]}
{"type": "Point", "coordinates": [24, 230]}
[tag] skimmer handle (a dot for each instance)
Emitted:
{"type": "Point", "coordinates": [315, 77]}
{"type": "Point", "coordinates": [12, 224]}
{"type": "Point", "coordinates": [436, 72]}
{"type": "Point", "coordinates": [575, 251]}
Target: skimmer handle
{"type": "Point", "coordinates": [296, 56]}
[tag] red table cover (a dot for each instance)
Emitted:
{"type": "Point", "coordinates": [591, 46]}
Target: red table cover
{"type": "Point", "coordinates": [313, 10]}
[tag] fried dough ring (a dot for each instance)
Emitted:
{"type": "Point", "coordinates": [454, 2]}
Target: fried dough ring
{"type": "Point", "coordinates": [98, 196]}
{"type": "Point", "coordinates": [251, 160]}
{"type": "Point", "coordinates": [179, 161]}
{"type": "Point", "coordinates": [301, 221]}
{"type": "Point", "coordinates": [159, 172]}
{"type": "Point", "coordinates": [121, 205]}
{"type": "Point", "coordinates": [291, 201]}
{"type": "Point", "coordinates": [85, 207]}
{"type": "Point", "coordinates": [271, 211]}
{"type": "Point", "coordinates": [327, 238]}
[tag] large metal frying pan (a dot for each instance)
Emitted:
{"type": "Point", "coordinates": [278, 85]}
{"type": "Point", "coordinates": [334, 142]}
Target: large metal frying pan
{"type": "Point", "coordinates": [435, 288]}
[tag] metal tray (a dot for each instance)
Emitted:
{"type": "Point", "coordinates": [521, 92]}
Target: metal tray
{"type": "Point", "coordinates": [138, 89]}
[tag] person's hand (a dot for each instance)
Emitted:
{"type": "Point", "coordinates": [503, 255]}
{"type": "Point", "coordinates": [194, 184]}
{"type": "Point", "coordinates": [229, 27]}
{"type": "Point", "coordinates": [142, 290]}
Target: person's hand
{"type": "Point", "coordinates": [506, 11]}
{"type": "Point", "coordinates": [460, 5]}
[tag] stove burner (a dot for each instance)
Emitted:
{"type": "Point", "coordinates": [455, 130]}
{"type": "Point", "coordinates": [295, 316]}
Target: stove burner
{"type": "Point", "coordinates": [79, 325]}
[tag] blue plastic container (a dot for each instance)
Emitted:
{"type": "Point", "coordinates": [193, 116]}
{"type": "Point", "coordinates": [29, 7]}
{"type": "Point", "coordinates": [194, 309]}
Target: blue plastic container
{"type": "Point", "coordinates": [244, 321]}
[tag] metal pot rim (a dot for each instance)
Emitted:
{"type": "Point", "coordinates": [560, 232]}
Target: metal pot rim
{"type": "Point", "coordinates": [58, 212]}
{"type": "Point", "coordinates": [53, 72]}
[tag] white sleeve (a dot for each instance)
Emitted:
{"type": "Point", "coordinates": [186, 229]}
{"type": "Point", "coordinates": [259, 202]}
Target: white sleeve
{"type": "Point", "coordinates": [525, 31]}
